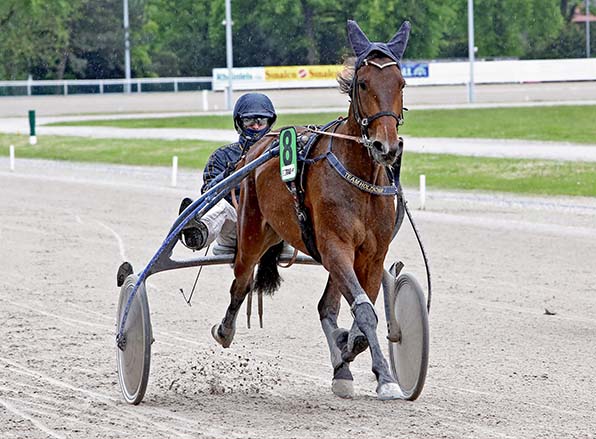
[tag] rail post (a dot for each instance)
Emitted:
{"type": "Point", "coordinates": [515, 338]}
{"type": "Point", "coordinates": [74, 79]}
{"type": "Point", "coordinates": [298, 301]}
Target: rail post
{"type": "Point", "coordinates": [174, 170]}
{"type": "Point", "coordinates": [205, 101]}
{"type": "Point", "coordinates": [422, 191]}
{"type": "Point", "coordinates": [32, 136]}
{"type": "Point", "coordinates": [11, 157]}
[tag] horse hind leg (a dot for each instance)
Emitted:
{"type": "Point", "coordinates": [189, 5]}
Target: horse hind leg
{"type": "Point", "coordinates": [267, 280]}
{"type": "Point", "coordinates": [224, 332]}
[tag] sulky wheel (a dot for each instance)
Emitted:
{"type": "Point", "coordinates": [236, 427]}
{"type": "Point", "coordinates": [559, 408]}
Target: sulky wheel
{"type": "Point", "coordinates": [134, 358]}
{"type": "Point", "coordinates": [408, 335]}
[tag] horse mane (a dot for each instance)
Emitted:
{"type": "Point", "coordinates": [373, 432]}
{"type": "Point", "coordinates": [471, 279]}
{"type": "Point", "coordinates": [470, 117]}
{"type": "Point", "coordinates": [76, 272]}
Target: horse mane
{"type": "Point", "coordinates": [346, 76]}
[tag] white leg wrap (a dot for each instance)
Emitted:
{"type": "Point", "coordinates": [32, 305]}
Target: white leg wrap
{"type": "Point", "coordinates": [359, 300]}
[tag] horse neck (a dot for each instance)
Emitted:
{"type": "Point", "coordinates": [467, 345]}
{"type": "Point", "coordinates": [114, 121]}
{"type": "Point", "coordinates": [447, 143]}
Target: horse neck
{"type": "Point", "coordinates": [355, 157]}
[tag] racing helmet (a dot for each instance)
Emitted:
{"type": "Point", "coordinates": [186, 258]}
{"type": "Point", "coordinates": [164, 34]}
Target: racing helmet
{"type": "Point", "coordinates": [253, 105]}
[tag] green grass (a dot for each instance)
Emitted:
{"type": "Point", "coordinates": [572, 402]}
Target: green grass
{"type": "Point", "coordinates": [211, 122]}
{"type": "Point", "coordinates": [575, 124]}
{"type": "Point", "coordinates": [191, 153]}
{"type": "Point", "coordinates": [564, 124]}
{"type": "Point", "coordinates": [538, 177]}
{"type": "Point", "coordinates": [543, 177]}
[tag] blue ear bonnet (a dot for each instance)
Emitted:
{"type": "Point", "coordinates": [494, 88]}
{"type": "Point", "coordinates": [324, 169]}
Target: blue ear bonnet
{"type": "Point", "coordinates": [363, 48]}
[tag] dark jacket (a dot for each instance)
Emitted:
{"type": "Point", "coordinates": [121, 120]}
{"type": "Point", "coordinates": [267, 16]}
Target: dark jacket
{"type": "Point", "coordinates": [221, 164]}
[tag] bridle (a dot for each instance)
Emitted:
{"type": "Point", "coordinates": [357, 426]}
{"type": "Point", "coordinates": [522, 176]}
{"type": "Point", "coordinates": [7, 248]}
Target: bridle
{"type": "Point", "coordinates": [365, 121]}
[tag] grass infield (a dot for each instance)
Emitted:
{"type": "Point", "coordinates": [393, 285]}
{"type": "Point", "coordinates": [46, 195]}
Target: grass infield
{"type": "Point", "coordinates": [147, 152]}
{"type": "Point", "coordinates": [576, 124]}
{"type": "Point", "coordinates": [545, 177]}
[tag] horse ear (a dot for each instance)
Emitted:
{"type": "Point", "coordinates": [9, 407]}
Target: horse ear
{"type": "Point", "coordinates": [358, 39]}
{"type": "Point", "coordinates": [398, 43]}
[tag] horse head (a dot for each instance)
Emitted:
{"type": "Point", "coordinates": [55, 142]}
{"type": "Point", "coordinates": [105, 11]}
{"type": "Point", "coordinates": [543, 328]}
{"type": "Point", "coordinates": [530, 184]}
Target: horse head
{"type": "Point", "coordinates": [376, 91]}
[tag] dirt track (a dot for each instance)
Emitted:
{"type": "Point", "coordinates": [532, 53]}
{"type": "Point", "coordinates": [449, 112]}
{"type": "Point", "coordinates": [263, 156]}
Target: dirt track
{"type": "Point", "coordinates": [499, 366]}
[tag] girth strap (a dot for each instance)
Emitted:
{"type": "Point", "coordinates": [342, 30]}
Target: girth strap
{"type": "Point", "coordinates": [296, 187]}
{"type": "Point", "coordinates": [306, 229]}
{"type": "Point", "coordinates": [357, 181]}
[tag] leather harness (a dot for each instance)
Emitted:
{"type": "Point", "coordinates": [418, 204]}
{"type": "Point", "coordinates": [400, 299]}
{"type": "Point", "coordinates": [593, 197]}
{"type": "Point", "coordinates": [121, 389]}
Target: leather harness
{"type": "Point", "coordinates": [306, 140]}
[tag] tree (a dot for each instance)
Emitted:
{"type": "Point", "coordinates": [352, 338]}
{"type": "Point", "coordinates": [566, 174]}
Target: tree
{"type": "Point", "coordinates": [544, 24]}
{"type": "Point", "coordinates": [84, 38]}
{"type": "Point", "coordinates": [96, 45]}
{"type": "Point", "coordinates": [504, 28]}
{"type": "Point", "coordinates": [178, 37]}
{"type": "Point", "coordinates": [570, 41]}
{"type": "Point", "coordinates": [430, 21]}
{"type": "Point", "coordinates": [34, 34]}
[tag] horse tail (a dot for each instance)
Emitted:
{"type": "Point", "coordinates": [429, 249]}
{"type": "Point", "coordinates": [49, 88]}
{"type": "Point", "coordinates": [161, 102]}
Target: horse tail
{"type": "Point", "coordinates": [267, 279]}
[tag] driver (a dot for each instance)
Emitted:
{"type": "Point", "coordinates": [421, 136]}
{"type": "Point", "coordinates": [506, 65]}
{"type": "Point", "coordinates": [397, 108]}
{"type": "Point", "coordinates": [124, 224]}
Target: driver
{"type": "Point", "coordinates": [253, 117]}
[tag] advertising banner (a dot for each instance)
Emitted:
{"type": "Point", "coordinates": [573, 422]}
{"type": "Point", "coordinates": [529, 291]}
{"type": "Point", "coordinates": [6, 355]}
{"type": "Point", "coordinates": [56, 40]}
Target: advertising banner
{"type": "Point", "coordinates": [270, 77]}
{"type": "Point", "coordinates": [419, 70]}
{"type": "Point", "coordinates": [243, 77]}
{"type": "Point", "coordinates": [416, 73]}
{"type": "Point", "coordinates": [302, 73]}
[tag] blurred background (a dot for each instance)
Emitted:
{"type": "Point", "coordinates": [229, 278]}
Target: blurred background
{"type": "Point", "coordinates": [84, 39]}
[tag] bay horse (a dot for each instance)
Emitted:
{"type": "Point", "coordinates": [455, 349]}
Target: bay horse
{"type": "Point", "coordinates": [350, 221]}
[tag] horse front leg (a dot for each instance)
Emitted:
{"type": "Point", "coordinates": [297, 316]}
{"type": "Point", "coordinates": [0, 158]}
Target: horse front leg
{"type": "Point", "coordinates": [351, 343]}
{"type": "Point", "coordinates": [342, 384]}
{"type": "Point", "coordinates": [368, 267]}
{"type": "Point", "coordinates": [366, 320]}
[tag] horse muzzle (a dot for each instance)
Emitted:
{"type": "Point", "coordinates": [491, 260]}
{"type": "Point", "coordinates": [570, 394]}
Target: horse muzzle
{"type": "Point", "coordinates": [385, 152]}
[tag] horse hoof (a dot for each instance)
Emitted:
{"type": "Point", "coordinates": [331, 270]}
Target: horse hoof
{"type": "Point", "coordinates": [343, 388]}
{"type": "Point", "coordinates": [225, 342]}
{"type": "Point", "coordinates": [389, 391]}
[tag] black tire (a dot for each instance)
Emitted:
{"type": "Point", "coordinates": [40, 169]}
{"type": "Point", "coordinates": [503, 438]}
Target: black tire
{"type": "Point", "coordinates": [133, 361]}
{"type": "Point", "coordinates": [409, 356]}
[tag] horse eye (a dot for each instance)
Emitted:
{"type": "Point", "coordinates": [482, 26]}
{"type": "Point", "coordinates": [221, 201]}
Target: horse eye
{"type": "Point", "coordinates": [362, 85]}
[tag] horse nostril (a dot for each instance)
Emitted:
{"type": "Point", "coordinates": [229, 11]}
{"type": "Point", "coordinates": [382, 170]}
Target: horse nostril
{"type": "Point", "coordinates": [379, 146]}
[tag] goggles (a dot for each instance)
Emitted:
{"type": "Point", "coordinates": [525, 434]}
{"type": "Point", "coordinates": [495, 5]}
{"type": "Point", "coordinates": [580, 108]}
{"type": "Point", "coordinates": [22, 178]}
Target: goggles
{"type": "Point", "coordinates": [248, 121]}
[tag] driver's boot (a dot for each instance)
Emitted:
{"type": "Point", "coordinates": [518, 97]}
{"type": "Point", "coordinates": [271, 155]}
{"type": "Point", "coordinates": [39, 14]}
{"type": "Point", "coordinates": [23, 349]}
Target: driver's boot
{"type": "Point", "coordinates": [195, 234]}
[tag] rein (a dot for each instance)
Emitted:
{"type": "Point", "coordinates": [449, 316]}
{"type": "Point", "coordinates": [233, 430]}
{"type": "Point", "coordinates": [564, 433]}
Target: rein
{"type": "Point", "coordinates": [315, 130]}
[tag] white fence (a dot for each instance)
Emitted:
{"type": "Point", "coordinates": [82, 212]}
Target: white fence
{"type": "Point", "coordinates": [100, 86]}
{"type": "Point", "coordinates": [511, 71]}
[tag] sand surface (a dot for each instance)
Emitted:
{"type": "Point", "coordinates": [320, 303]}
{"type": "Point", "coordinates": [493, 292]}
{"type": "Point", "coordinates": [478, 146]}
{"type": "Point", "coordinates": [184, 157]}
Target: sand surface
{"type": "Point", "coordinates": [499, 366]}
